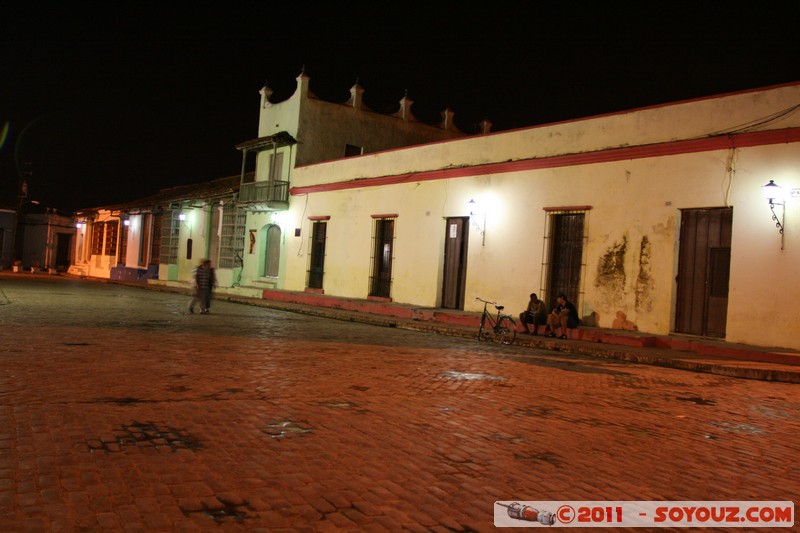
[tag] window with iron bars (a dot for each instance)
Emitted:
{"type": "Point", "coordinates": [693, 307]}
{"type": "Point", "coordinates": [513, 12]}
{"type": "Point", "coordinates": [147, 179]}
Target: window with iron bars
{"type": "Point", "coordinates": [98, 230]}
{"type": "Point", "coordinates": [232, 237]}
{"type": "Point", "coordinates": [316, 266]}
{"type": "Point", "coordinates": [170, 233]}
{"type": "Point", "coordinates": [563, 254]}
{"type": "Point", "coordinates": [380, 282]}
{"type": "Point", "coordinates": [155, 243]}
{"type": "Point", "coordinates": [123, 245]}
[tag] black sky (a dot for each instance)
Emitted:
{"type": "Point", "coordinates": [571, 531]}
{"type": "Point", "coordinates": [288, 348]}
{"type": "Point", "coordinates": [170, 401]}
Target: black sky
{"type": "Point", "coordinates": [111, 102]}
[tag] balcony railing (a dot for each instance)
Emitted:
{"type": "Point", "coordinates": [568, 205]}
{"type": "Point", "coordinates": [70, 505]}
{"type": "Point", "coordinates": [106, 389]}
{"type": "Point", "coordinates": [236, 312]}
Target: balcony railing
{"type": "Point", "coordinates": [264, 192]}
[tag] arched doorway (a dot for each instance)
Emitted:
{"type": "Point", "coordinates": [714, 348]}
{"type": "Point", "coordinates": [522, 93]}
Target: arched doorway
{"type": "Point", "coordinates": [272, 251]}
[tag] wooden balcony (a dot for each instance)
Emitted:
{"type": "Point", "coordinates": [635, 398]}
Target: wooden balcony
{"type": "Point", "coordinates": [264, 195]}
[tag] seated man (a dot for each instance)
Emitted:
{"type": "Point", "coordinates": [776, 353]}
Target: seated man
{"type": "Point", "coordinates": [563, 316]}
{"type": "Point", "coordinates": [535, 314]}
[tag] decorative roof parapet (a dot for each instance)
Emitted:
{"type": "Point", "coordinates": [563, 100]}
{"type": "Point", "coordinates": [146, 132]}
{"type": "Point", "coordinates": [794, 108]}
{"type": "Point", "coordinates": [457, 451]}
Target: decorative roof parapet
{"type": "Point", "coordinates": [447, 120]}
{"type": "Point", "coordinates": [265, 93]}
{"type": "Point", "coordinates": [356, 96]}
{"type": "Point", "coordinates": [303, 85]}
{"type": "Point", "coordinates": [486, 126]}
{"type": "Point", "coordinates": [405, 109]}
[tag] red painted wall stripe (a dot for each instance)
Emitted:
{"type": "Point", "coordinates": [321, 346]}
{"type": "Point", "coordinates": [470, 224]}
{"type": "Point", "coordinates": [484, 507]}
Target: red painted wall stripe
{"type": "Point", "coordinates": [569, 208]}
{"type": "Point", "coordinates": [705, 144]}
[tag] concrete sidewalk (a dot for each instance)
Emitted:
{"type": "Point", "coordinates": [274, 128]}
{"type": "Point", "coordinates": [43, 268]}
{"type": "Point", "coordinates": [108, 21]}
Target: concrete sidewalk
{"type": "Point", "coordinates": [674, 351]}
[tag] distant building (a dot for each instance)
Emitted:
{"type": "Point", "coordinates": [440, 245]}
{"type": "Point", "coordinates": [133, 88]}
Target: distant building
{"type": "Point", "coordinates": [159, 237]}
{"type": "Point", "coordinates": [45, 240]}
{"type": "Point", "coordinates": [8, 219]}
{"type": "Point", "coordinates": [236, 221]}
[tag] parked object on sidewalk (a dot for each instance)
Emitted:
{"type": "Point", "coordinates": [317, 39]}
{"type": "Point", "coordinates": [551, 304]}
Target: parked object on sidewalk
{"type": "Point", "coordinates": [502, 328]}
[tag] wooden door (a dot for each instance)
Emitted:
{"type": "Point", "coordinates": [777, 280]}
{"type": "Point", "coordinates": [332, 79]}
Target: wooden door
{"type": "Point", "coordinates": [455, 262]}
{"type": "Point", "coordinates": [704, 271]}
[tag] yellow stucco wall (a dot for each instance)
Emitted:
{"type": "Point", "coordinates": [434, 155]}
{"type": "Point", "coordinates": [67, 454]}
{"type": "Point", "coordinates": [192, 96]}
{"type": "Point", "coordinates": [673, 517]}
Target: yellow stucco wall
{"type": "Point", "coordinates": [685, 120]}
{"type": "Point", "coordinates": [635, 204]}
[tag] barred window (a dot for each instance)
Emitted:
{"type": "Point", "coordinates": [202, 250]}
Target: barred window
{"type": "Point", "coordinates": [232, 238]}
{"type": "Point", "coordinates": [155, 242]}
{"type": "Point", "coordinates": [123, 245]}
{"type": "Point", "coordinates": [98, 230]}
{"type": "Point", "coordinates": [564, 259]}
{"type": "Point", "coordinates": [170, 233]}
{"type": "Point", "coordinates": [382, 256]}
{"type": "Point", "coordinates": [316, 268]}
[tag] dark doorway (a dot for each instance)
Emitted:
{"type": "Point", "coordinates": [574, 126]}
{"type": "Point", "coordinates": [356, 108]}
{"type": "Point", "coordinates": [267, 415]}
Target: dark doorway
{"type": "Point", "coordinates": [704, 271]}
{"type": "Point", "coordinates": [381, 282]}
{"type": "Point", "coordinates": [317, 263]}
{"type": "Point", "coordinates": [455, 262]}
{"type": "Point", "coordinates": [566, 257]}
{"type": "Point", "coordinates": [63, 247]}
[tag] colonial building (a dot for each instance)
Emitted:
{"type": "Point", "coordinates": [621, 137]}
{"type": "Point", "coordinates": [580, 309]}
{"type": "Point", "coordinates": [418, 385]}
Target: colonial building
{"type": "Point", "coordinates": [45, 239]}
{"type": "Point", "coordinates": [304, 130]}
{"type": "Point", "coordinates": [8, 221]}
{"type": "Point", "coordinates": [236, 221]}
{"type": "Point", "coordinates": [160, 237]}
{"type": "Point", "coordinates": [653, 218]}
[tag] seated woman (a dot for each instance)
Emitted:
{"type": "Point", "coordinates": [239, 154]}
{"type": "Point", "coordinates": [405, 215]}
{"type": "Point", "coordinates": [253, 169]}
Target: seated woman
{"type": "Point", "coordinates": [535, 314]}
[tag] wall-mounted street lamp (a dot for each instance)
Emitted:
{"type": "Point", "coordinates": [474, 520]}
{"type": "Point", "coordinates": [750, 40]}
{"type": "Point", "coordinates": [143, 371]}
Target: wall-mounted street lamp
{"type": "Point", "coordinates": [774, 195]}
{"type": "Point", "coordinates": [476, 211]}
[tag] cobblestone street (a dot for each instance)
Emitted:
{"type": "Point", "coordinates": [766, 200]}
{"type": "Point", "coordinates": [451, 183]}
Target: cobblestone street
{"type": "Point", "coordinates": [120, 411]}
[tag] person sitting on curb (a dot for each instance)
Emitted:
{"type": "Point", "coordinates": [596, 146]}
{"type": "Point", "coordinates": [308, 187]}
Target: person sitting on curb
{"type": "Point", "coordinates": [563, 316]}
{"type": "Point", "coordinates": [535, 314]}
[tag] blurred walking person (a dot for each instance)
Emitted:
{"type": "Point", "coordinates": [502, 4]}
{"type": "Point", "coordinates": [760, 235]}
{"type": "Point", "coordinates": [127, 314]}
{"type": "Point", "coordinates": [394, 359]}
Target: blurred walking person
{"type": "Point", "coordinates": [205, 280]}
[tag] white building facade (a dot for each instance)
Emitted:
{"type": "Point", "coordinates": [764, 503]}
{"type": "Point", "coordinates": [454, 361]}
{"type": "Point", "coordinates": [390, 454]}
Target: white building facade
{"type": "Point", "coordinates": [656, 216]}
{"type": "Point", "coordinates": [299, 131]}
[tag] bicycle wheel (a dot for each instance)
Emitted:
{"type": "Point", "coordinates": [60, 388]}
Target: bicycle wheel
{"type": "Point", "coordinates": [506, 330]}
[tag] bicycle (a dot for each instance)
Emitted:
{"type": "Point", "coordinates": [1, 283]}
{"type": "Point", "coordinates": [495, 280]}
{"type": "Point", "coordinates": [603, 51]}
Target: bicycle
{"type": "Point", "coordinates": [502, 328]}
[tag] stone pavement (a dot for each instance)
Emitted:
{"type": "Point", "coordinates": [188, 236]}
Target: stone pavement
{"type": "Point", "coordinates": [674, 351]}
{"type": "Point", "coordinates": [119, 411]}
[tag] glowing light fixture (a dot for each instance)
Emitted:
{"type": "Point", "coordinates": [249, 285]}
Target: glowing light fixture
{"type": "Point", "coordinates": [126, 222]}
{"type": "Point", "coordinates": [181, 216]}
{"type": "Point", "coordinates": [476, 210]}
{"type": "Point", "coordinates": [79, 225]}
{"type": "Point", "coordinates": [774, 195]}
{"type": "Point", "coordinates": [279, 218]}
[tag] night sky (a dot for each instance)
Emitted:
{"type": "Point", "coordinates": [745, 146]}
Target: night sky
{"type": "Point", "coordinates": [111, 102]}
